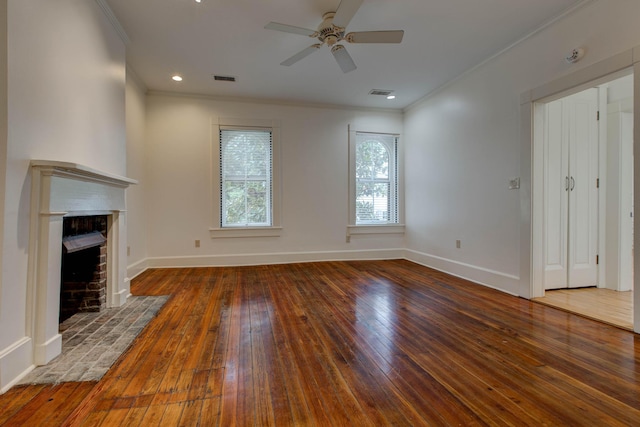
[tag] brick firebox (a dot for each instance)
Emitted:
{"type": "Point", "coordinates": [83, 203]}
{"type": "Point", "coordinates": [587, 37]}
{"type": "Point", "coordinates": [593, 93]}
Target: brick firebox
{"type": "Point", "coordinates": [84, 270]}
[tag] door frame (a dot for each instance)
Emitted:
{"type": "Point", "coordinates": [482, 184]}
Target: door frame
{"type": "Point", "coordinates": [531, 103]}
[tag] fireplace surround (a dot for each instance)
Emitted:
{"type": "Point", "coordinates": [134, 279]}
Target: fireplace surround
{"type": "Point", "coordinates": [59, 190]}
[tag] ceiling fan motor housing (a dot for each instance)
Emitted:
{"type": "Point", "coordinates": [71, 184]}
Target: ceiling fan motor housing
{"type": "Point", "coordinates": [329, 33]}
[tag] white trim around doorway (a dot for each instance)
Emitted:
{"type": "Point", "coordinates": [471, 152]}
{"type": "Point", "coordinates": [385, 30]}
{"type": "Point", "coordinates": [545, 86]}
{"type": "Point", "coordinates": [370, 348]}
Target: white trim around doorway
{"type": "Point", "coordinates": [531, 102]}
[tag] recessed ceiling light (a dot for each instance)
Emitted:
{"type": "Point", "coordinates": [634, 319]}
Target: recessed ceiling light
{"type": "Point", "coordinates": [177, 78]}
{"type": "Point", "coordinates": [391, 97]}
{"type": "Point", "coordinates": [198, 1]}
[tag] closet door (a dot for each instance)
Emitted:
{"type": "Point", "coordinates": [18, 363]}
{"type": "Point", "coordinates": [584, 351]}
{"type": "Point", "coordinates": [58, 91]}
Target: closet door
{"type": "Point", "coordinates": [571, 195]}
{"type": "Point", "coordinates": [556, 200]}
{"type": "Point", "coordinates": [583, 189]}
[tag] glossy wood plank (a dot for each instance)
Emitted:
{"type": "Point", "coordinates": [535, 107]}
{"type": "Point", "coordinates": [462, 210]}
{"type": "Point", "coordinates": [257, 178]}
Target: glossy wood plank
{"type": "Point", "coordinates": [17, 398]}
{"type": "Point", "coordinates": [48, 405]}
{"type": "Point", "coordinates": [363, 343]}
{"type": "Point", "coordinates": [606, 305]}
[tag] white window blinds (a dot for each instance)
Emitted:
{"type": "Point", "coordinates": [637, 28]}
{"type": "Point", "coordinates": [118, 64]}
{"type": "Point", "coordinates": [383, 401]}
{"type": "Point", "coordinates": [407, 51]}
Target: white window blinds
{"type": "Point", "coordinates": [246, 177]}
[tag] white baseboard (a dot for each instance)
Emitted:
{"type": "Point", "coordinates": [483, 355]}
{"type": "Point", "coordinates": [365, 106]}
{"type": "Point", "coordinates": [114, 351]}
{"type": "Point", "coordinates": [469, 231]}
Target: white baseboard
{"type": "Point", "coordinates": [137, 268]}
{"type": "Point", "coordinates": [120, 298]}
{"type": "Point", "coordinates": [490, 278]}
{"type": "Point", "coordinates": [493, 279]}
{"type": "Point", "coordinates": [45, 353]}
{"type": "Point", "coordinates": [273, 258]}
{"type": "Point", "coordinates": [16, 361]}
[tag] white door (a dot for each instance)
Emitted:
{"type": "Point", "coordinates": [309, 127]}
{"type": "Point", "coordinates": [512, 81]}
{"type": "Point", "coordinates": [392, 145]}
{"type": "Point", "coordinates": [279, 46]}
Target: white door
{"type": "Point", "coordinates": [556, 200]}
{"type": "Point", "coordinates": [571, 193]}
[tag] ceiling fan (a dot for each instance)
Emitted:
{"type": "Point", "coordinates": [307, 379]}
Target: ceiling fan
{"type": "Point", "coordinates": [331, 31]}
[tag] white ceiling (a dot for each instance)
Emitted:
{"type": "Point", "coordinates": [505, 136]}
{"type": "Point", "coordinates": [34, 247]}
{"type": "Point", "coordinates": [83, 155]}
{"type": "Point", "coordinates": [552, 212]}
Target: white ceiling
{"type": "Point", "coordinates": [443, 38]}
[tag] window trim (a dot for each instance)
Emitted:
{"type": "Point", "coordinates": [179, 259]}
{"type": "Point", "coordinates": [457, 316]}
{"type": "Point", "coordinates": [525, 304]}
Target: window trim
{"type": "Point", "coordinates": [274, 230]}
{"type": "Point", "coordinates": [397, 227]}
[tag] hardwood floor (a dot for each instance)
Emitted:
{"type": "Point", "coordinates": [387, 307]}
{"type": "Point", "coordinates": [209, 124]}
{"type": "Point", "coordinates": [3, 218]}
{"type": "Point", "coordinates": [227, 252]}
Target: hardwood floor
{"type": "Point", "coordinates": [605, 305]}
{"type": "Point", "coordinates": [348, 343]}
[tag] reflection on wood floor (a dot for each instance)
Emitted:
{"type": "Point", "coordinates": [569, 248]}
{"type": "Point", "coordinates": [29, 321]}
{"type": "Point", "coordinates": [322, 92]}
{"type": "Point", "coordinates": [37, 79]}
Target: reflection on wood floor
{"type": "Point", "coordinates": [605, 305]}
{"type": "Point", "coordinates": [357, 343]}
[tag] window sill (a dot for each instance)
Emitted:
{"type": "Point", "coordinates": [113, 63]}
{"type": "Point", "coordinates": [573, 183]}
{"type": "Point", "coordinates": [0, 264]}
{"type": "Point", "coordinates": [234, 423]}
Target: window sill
{"type": "Point", "coordinates": [217, 233]}
{"type": "Point", "coordinates": [375, 229]}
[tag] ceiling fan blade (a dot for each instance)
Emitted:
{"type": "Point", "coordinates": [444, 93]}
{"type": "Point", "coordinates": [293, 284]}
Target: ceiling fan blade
{"type": "Point", "coordinates": [301, 55]}
{"type": "Point", "coordinates": [345, 12]}
{"type": "Point", "coordinates": [375, 37]}
{"type": "Point", "coordinates": [343, 58]}
{"type": "Point", "coordinates": [289, 29]}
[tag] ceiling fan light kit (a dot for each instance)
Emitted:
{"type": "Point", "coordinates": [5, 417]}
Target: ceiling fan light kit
{"type": "Point", "coordinates": [331, 31]}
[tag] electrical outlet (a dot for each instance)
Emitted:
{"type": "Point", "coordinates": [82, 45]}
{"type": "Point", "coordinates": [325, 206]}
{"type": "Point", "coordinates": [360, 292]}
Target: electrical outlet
{"type": "Point", "coordinates": [458, 244]}
{"type": "Point", "coordinates": [197, 243]}
{"type": "Point", "coordinates": [514, 183]}
{"type": "Point", "coordinates": [128, 250]}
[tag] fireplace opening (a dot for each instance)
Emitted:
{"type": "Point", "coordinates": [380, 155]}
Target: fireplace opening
{"type": "Point", "coordinates": [83, 284]}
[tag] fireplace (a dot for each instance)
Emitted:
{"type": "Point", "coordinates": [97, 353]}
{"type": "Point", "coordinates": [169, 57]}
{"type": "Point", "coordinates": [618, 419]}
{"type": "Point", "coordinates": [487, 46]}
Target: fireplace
{"type": "Point", "coordinates": [83, 281]}
{"type": "Point", "coordinates": [61, 191]}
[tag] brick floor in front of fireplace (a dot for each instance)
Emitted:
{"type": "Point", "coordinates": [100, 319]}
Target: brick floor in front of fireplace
{"type": "Point", "coordinates": [92, 342]}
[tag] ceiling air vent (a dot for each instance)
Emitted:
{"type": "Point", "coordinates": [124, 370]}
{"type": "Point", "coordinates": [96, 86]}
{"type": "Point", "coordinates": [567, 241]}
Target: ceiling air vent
{"type": "Point", "coordinates": [381, 92]}
{"type": "Point", "coordinates": [224, 78]}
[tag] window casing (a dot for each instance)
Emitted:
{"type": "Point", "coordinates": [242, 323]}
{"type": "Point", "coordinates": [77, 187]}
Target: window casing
{"type": "Point", "coordinates": [246, 178]}
{"type": "Point", "coordinates": [374, 187]}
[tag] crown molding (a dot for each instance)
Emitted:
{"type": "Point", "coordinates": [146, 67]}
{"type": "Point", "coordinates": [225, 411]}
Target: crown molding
{"type": "Point", "coordinates": [114, 21]}
{"type": "Point", "coordinates": [569, 11]}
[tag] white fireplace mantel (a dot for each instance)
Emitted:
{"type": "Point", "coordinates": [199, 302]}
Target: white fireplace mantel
{"type": "Point", "coordinates": [58, 190]}
{"type": "Point", "coordinates": [78, 170]}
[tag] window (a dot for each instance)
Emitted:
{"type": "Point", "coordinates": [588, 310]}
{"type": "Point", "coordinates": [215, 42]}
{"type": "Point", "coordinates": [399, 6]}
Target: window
{"type": "Point", "coordinates": [246, 179]}
{"type": "Point", "coordinates": [374, 184]}
{"type": "Point", "coordinates": [376, 199]}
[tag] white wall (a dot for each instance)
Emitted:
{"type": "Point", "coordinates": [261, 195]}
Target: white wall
{"type": "Point", "coordinates": [66, 91]}
{"type": "Point", "coordinates": [463, 146]}
{"type": "Point", "coordinates": [136, 169]}
{"type": "Point", "coordinates": [314, 146]}
{"type": "Point", "coordinates": [3, 123]}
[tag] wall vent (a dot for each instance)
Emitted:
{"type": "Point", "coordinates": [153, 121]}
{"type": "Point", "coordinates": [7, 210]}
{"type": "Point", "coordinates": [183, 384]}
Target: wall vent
{"type": "Point", "coordinates": [224, 78]}
{"type": "Point", "coordinates": [381, 92]}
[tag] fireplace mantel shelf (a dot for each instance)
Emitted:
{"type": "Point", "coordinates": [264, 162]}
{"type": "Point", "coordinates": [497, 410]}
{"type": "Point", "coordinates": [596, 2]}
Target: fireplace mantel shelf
{"type": "Point", "coordinates": [82, 171]}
